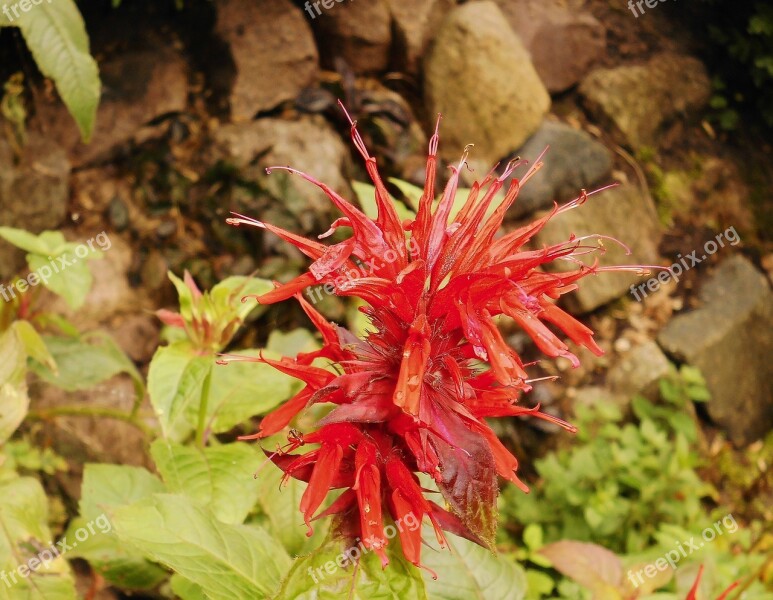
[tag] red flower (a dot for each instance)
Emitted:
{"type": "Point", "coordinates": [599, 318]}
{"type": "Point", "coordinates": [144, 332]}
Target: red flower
{"type": "Point", "coordinates": [413, 396]}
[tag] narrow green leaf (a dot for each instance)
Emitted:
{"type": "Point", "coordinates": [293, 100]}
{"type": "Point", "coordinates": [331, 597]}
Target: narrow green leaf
{"type": "Point", "coordinates": [56, 36]}
{"type": "Point", "coordinates": [34, 345]}
{"type": "Point", "coordinates": [227, 561]}
{"type": "Point", "coordinates": [14, 400]}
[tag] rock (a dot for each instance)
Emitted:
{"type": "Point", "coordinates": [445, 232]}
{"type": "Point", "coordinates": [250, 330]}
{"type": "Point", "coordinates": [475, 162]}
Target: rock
{"type": "Point", "coordinates": [273, 50]}
{"type": "Point", "coordinates": [639, 371]}
{"type": "Point", "coordinates": [308, 144]}
{"type": "Point", "coordinates": [415, 22]}
{"type": "Point", "coordinates": [358, 32]}
{"type": "Point", "coordinates": [728, 339]}
{"type": "Point", "coordinates": [623, 213]}
{"type": "Point", "coordinates": [480, 77]}
{"type": "Point", "coordinates": [110, 293]}
{"type": "Point", "coordinates": [138, 87]}
{"type": "Point", "coordinates": [574, 162]}
{"type": "Point", "coordinates": [639, 101]}
{"type": "Point", "coordinates": [33, 193]}
{"type": "Point", "coordinates": [563, 41]}
{"type": "Point", "coordinates": [137, 335]}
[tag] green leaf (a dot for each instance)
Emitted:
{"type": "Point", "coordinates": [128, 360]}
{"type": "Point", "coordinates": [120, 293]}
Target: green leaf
{"type": "Point", "coordinates": [185, 589]}
{"type": "Point", "coordinates": [171, 389]}
{"type": "Point", "coordinates": [366, 195]}
{"type": "Point", "coordinates": [106, 487]}
{"type": "Point", "coordinates": [227, 561]}
{"type": "Point", "coordinates": [220, 478]}
{"type": "Point", "coordinates": [72, 282]}
{"type": "Point", "coordinates": [283, 518]}
{"type": "Point", "coordinates": [14, 400]}
{"type": "Point", "coordinates": [227, 295]}
{"type": "Point", "coordinates": [467, 571]}
{"type": "Point", "coordinates": [237, 391]}
{"type": "Point", "coordinates": [328, 574]}
{"type": "Point", "coordinates": [241, 390]}
{"type": "Point", "coordinates": [292, 343]}
{"type": "Point", "coordinates": [532, 536]}
{"type": "Point", "coordinates": [24, 536]}
{"type": "Point", "coordinates": [85, 362]}
{"type": "Point", "coordinates": [34, 345]}
{"type": "Point", "coordinates": [29, 242]}
{"type": "Point", "coordinates": [57, 38]}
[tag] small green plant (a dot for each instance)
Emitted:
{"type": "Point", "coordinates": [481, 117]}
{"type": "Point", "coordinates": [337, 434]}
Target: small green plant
{"type": "Point", "coordinates": [57, 38]}
{"type": "Point", "coordinates": [618, 480]}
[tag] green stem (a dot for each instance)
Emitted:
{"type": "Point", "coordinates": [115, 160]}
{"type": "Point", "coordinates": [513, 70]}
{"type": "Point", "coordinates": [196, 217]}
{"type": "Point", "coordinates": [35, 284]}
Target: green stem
{"type": "Point", "coordinates": [44, 414]}
{"type": "Point", "coordinates": [201, 429]}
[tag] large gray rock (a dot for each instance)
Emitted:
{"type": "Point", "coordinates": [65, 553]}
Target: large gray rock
{"type": "Point", "coordinates": [480, 77]}
{"type": "Point", "coordinates": [358, 32]}
{"type": "Point", "coordinates": [308, 144]}
{"type": "Point", "coordinates": [729, 340]}
{"type": "Point", "coordinates": [574, 162]}
{"type": "Point", "coordinates": [639, 101]}
{"type": "Point", "coordinates": [563, 41]}
{"type": "Point", "coordinates": [639, 371]}
{"type": "Point", "coordinates": [623, 213]}
{"type": "Point", "coordinates": [414, 24]}
{"type": "Point", "coordinates": [138, 87]}
{"type": "Point", "coordinates": [273, 49]}
{"type": "Point", "coordinates": [33, 193]}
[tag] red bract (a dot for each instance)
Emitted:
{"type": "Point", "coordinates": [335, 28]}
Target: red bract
{"type": "Point", "coordinates": [413, 396]}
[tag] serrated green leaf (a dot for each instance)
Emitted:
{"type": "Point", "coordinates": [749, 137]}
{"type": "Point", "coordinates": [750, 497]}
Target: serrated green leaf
{"type": "Point", "coordinates": [85, 362]}
{"type": "Point", "coordinates": [106, 487]}
{"type": "Point", "coordinates": [283, 519]}
{"type": "Point", "coordinates": [467, 571]}
{"type": "Point", "coordinates": [24, 535]}
{"type": "Point", "coordinates": [227, 561]}
{"type": "Point", "coordinates": [241, 390]}
{"type": "Point", "coordinates": [57, 38]}
{"type": "Point", "coordinates": [219, 477]}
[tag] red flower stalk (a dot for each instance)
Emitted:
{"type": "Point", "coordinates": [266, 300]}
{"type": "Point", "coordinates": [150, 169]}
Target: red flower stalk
{"type": "Point", "coordinates": [413, 396]}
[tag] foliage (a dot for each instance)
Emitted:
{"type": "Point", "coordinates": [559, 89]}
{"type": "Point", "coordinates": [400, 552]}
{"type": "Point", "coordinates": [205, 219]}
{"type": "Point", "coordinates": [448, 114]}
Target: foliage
{"type": "Point", "coordinates": [609, 485]}
{"type": "Point", "coordinates": [57, 38]}
{"type": "Point", "coordinates": [623, 495]}
{"type": "Point", "coordinates": [742, 51]}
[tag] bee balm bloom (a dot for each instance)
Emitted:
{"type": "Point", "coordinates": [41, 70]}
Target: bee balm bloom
{"type": "Point", "coordinates": [413, 397]}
